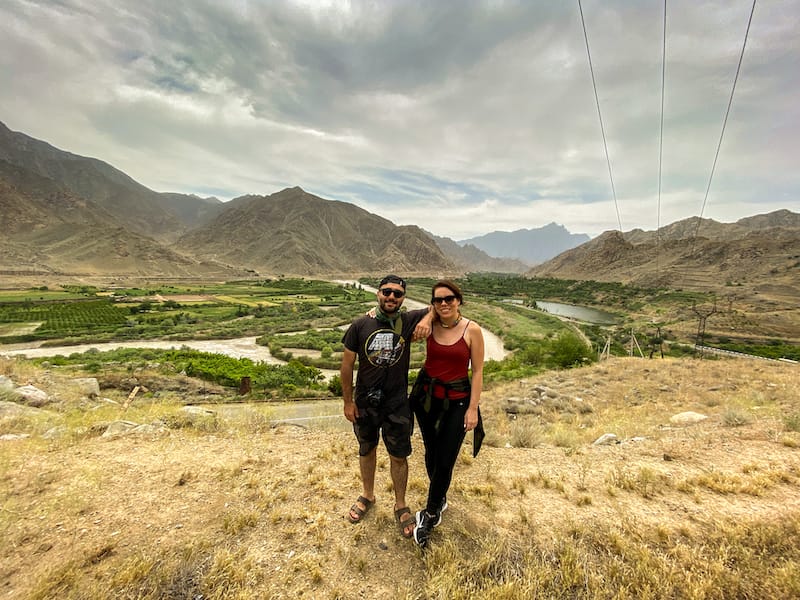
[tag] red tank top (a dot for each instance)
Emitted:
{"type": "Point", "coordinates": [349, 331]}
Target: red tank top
{"type": "Point", "coordinates": [447, 363]}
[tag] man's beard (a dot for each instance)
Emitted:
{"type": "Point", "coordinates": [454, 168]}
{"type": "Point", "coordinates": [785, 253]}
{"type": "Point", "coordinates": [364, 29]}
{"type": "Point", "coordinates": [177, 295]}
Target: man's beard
{"type": "Point", "coordinates": [387, 311]}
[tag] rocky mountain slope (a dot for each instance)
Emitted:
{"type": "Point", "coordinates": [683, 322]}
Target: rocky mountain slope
{"type": "Point", "coordinates": [64, 213]}
{"type": "Point", "coordinates": [760, 252]}
{"type": "Point", "coordinates": [293, 231]}
{"type": "Point", "coordinates": [140, 209]}
{"type": "Point", "coordinates": [49, 229]}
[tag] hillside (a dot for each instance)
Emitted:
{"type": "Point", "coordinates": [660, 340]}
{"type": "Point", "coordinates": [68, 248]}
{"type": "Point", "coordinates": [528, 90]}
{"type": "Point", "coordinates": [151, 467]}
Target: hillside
{"type": "Point", "coordinates": [67, 214]}
{"type": "Point", "coordinates": [295, 232]}
{"type": "Point", "coordinates": [142, 210]}
{"type": "Point", "coordinates": [49, 230]}
{"type": "Point", "coordinates": [234, 506]}
{"type": "Point", "coordinates": [752, 267]}
{"type": "Point", "coordinates": [752, 259]}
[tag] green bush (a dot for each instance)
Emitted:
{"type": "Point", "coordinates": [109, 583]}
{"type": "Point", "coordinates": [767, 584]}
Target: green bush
{"type": "Point", "coordinates": [335, 385]}
{"type": "Point", "coordinates": [567, 350]}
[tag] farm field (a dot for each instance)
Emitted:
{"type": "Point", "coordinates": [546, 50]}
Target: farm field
{"type": "Point", "coordinates": [314, 312]}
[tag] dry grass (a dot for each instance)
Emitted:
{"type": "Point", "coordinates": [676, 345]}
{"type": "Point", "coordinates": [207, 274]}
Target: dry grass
{"type": "Point", "coordinates": [240, 510]}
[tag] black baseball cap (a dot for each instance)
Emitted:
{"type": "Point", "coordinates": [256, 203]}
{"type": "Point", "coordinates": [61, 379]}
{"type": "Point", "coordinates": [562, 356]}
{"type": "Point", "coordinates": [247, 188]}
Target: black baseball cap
{"type": "Point", "coordinates": [393, 279]}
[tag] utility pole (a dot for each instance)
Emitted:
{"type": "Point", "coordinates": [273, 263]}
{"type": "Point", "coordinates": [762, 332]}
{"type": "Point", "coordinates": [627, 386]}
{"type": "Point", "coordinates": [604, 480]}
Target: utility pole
{"type": "Point", "coordinates": [606, 351]}
{"type": "Point", "coordinates": [635, 343]}
{"type": "Point", "coordinates": [701, 325]}
{"type": "Point", "coordinates": [657, 343]}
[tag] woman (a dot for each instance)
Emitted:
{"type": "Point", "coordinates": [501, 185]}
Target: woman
{"type": "Point", "coordinates": [444, 400]}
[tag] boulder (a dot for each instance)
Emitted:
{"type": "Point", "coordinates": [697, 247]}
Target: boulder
{"type": "Point", "coordinates": [87, 386]}
{"type": "Point", "coordinates": [54, 433]}
{"type": "Point", "coordinates": [687, 418]}
{"type": "Point", "coordinates": [150, 430]}
{"type": "Point", "coordinates": [32, 396]}
{"type": "Point", "coordinates": [119, 428]}
{"type": "Point", "coordinates": [10, 410]}
{"type": "Point", "coordinates": [607, 439]}
{"type": "Point", "coordinates": [6, 385]}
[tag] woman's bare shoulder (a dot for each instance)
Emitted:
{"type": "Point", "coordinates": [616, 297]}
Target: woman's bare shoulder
{"type": "Point", "coordinates": [474, 328]}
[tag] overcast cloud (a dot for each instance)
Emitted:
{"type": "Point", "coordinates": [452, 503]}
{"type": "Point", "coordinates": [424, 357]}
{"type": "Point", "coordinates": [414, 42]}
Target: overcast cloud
{"type": "Point", "coordinates": [462, 117]}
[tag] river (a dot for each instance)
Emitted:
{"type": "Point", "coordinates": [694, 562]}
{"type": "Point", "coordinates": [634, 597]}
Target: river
{"type": "Point", "coordinates": [579, 313]}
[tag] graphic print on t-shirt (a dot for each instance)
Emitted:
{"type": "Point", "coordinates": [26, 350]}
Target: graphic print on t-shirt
{"type": "Point", "coordinates": [384, 348]}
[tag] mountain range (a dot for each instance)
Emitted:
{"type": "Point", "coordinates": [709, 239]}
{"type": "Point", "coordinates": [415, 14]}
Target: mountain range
{"type": "Point", "coordinates": [61, 213]}
{"type": "Point", "coordinates": [65, 213]}
{"type": "Point", "coordinates": [760, 252]}
{"type": "Point", "coordinates": [531, 246]}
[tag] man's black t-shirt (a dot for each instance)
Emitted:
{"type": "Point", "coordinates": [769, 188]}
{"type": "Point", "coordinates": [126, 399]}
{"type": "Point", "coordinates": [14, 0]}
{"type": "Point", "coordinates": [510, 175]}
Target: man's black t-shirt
{"type": "Point", "coordinates": [383, 354]}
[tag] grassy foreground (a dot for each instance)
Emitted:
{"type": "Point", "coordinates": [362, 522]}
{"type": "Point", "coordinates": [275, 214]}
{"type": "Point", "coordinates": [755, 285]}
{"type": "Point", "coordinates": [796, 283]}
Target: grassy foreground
{"type": "Point", "coordinates": [241, 509]}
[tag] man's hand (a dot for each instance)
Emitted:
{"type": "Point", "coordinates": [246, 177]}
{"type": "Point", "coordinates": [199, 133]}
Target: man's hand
{"type": "Point", "coordinates": [351, 411]}
{"type": "Point", "coordinates": [421, 331]}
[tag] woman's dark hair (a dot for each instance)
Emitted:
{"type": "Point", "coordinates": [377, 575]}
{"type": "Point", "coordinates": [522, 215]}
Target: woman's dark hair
{"type": "Point", "coordinates": [450, 285]}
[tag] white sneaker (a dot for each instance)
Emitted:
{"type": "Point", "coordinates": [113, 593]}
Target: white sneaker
{"type": "Point", "coordinates": [423, 529]}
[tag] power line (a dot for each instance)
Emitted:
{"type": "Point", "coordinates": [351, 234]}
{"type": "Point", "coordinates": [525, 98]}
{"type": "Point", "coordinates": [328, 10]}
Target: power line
{"type": "Point", "coordinates": [661, 137]}
{"type": "Point", "coordinates": [724, 123]}
{"type": "Point", "coordinates": [600, 116]}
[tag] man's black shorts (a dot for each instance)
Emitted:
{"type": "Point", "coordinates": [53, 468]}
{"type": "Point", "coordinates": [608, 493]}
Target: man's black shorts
{"type": "Point", "coordinates": [393, 421]}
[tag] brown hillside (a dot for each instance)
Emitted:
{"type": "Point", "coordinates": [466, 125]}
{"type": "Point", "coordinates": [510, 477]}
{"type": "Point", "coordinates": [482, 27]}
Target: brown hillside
{"type": "Point", "coordinates": [48, 229]}
{"type": "Point", "coordinates": [30, 203]}
{"type": "Point", "coordinates": [752, 259]}
{"type": "Point", "coordinates": [141, 209]}
{"type": "Point", "coordinates": [237, 508]}
{"type": "Point", "coordinates": [294, 232]}
{"type": "Point", "coordinates": [752, 267]}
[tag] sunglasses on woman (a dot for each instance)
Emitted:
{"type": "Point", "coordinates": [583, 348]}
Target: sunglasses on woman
{"type": "Point", "coordinates": [443, 299]}
{"type": "Point", "coordinates": [389, 291]}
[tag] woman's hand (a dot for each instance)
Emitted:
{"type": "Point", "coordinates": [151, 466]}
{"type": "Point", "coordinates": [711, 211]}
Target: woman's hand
{"type": "Point", "coordinates": [471, 419]}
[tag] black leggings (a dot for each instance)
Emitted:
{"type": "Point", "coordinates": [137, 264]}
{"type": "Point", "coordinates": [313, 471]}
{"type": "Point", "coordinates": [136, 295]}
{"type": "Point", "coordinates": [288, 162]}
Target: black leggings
{"type": "Point", "coordinates": [442, 445]}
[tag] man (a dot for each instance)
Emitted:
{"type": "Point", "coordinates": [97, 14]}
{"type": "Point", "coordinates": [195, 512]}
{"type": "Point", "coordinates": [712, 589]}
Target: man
{"type": "Point", "coordinates": [380, 405]}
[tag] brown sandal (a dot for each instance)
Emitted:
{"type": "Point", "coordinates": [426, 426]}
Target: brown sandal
{"type": "Point", "coordinates": [359, 512]}
{"type": "Point", "coordinates": [405, 523]}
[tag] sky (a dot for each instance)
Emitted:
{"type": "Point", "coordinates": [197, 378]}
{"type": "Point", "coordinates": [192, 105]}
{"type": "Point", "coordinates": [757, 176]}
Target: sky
{"type": "Point", "coordinates": [462, 117]}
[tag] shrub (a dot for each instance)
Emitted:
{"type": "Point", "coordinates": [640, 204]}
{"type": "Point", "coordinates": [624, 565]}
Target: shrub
{"type": "Point", "coordinates": [567, 350]}
{"type": "Point", "coordinates": [335, 385]}
{"type": "Point", "coordinates": [792, 422]}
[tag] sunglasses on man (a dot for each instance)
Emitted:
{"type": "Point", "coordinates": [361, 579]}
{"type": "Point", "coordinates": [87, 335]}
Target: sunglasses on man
{"type": "Point", "coordinates": [443, 299]}
{"type": "Point", "coordinates": [389, 291]}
